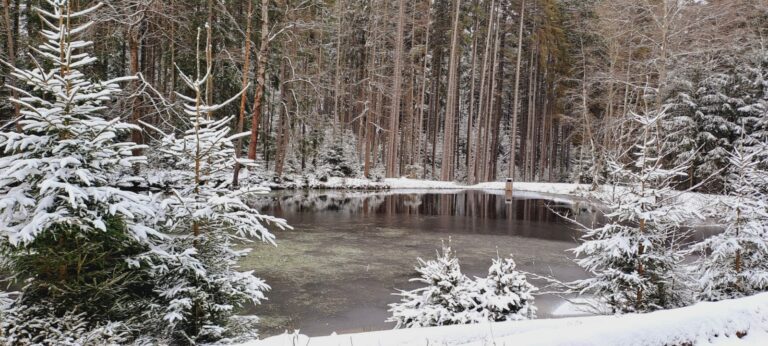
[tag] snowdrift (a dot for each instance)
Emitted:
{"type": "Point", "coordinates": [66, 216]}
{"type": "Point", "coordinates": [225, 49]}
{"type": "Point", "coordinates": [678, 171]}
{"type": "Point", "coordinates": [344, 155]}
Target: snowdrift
{"type": "Point", "coordinates": [732, 322]}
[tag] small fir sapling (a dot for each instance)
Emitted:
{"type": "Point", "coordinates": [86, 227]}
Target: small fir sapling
{"type": "Point", "coordinates": [202, 287]}
{"type": "Point", "coordinates": [337, 156]}
{"type": "Point", "coordinates": [734, 263]}
{"type": "Point", "coordinates": [505, 294]}
{"type": "Point", "coordinates": [450, 297]}
{"type": "Point", "coordinates": [447, 298]}
{"type": "Point", "coordinates": [67, 230]}
{"type": "Point", "coordinates": [635, 258]}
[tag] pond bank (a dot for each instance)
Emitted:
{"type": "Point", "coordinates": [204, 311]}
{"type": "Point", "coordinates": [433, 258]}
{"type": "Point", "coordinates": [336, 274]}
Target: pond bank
{"type": "Point", "coordinates": [729, 322]}
{"type": "Point", "coordinates": [706, 205]}
{"type": "Point", "coordinates": [351, 250]}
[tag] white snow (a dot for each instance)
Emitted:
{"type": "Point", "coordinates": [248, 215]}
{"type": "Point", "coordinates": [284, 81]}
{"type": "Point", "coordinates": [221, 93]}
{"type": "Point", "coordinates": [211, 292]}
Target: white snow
{"type": "Point", "coordinates": [405, 184]}
{"type": "Point", "coordinates": [705, 204]}
{"type": "Point", "coordinates": [553, 188]}
{"type": "Point", "coordinates": [577, 307]}
{"type": "Point", "coordinates": [719, 323]}
{"type": "Point", "coordinates": [346, 183]}
{"type": "Point", "coordinates": [697, 201]}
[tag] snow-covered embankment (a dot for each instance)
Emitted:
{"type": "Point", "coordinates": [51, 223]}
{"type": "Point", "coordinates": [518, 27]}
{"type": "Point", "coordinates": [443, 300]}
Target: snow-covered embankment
{"type": "Point", "coordinates": [731, 322]}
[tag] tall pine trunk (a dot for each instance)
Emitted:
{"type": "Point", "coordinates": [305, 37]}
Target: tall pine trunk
{"type": "Point", "coordinates": [243, 97]}
{"type": "Point", "coordinates": [11, 60]}
{"type": "Point", "coordinates": [446, 172]}
{"type": "Point", "coordinates": [394, 115]}
{"type": "Point", "coordinates": [516, 102]}
{"type": "Point", "coordinates": [260, 81]}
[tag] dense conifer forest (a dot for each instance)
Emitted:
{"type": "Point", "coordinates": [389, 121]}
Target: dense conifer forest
{"type": "Point", "coordinates": [139, 141]}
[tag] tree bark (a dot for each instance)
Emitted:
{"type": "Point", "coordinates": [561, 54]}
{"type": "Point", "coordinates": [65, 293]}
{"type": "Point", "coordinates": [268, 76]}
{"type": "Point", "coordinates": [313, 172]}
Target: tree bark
{"type": "Point", "coordinates": [470, 116]}
{"type": "Point", "coordinates": [515, 102]}
{"type": "Point", "coordinates": [243, 97]}
{"type": "Point", "coordinates": [446, 172]}
{"type": "Point", "coordinates": [262, 69]}
{"type": "Point", "coordinates": [11, 61]}
{"type": "Point", "coordinates": [209, 56]}
{"type": "Point", "coordinates": [482, 113]}
{"type": "Point", "coordinates": [133, 43]}
{"type": "Point", "coordinates": [394, 117]}
{"type": "Point", "coordinates": [423, 92]}
{"type": "Point", "coordinates": [337, 79]}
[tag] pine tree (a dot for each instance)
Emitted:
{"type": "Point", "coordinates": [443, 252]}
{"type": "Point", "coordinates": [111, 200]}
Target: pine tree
{"type": "Point", "coordinates": [448, 297]}
{"type": "Point", "coordinates": [635, 256]}
{"type": "Point", "coordinates": [682, 125]}
{"type": "Point", "coordinates": [67, 231]}
{"type": "Point", "coordinates": [338, 156]}
{"type": "Point", "coordinates": [754, 106]}
{"type": "Point", "coordinates": [715, 109]}
{"type": "Point", "coordinates": [201, 286]}
{"type": "Point", "coordinates": [735, 263]}
{"type": "Point", "coordinates": [505, 294]}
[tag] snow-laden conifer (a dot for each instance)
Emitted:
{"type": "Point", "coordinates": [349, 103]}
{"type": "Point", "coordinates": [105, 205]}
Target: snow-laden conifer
{"type": "Point", "coordinates": [202, 286]}
{"type": "Point", "coordinates": [635, 257]}
{"type": "Point", "coordinates": [714, 110]}
{"type": "Point", "coordinates": [338, 156]}
{"type": "Point", "coordinates": [734, 263]}
{"type": "Point", "coordinates": [450, 297]}
{"type": "Point", "coordinates": [505, 294]}
{"type": "Point", "coordinates": [55, 172]}
{"type": "Point", "coordinates": [65, 228]}
{"type": "Point", "coordinates": [447, 298]}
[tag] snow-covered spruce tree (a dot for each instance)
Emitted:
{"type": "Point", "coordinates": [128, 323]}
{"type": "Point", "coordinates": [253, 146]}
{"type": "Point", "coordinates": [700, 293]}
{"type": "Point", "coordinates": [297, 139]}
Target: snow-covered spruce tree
{"type": "Point", "coordinates": [755, 104]}
{"type": "Point", "coordinates": [505, 294]}
{"type": "Point", "coordinates": [714, 126]}
{"type": "Point", "coordinates": [66, 231]}
{"type": "Point", "coordinates": [682, 126]}
{"type": "Point", "coordinates": [448, 297]}
{"type": "Point", "coordinates": [735, 263]}
{"type": "Point", "coordinates": [635, 257]}
{"type": "Point", "coordinates": [713, 110]}
{"type": "Point", "coordinates": [583, 163]}
{"type": "Point", "coordinates": [337, 156]}
{"type": "Point", "coordinates": [202, 288]}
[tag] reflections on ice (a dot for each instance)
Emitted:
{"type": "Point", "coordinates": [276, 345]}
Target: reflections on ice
{"type": "Point", "coordinates": [493, 212]}
{"type": "Point", "coordinates": [350, 250]}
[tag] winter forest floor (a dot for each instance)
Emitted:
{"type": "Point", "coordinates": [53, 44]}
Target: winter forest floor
{"type": "Point", "coordinates": [705, 323]}
{"type": "Point", "coordinates": [703, 204]}
{"type": "Point", "coordinates": [731, 322]}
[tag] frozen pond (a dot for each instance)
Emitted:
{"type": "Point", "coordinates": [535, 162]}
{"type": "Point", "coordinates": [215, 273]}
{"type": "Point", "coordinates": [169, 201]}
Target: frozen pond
{"type": "Point", "coordinates": [349, 251]}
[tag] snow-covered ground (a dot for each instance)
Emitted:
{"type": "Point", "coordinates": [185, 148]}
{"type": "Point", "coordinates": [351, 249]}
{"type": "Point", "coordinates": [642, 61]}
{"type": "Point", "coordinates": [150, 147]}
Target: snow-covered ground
{"type": "Point", "coordinates": [553, 188]}
{"type": "Point", "coordinates": [696, 201]}
{"type": "Point", "coordinates": [732, 322]}
{"type": "Point", "coordinates": [705, 204]}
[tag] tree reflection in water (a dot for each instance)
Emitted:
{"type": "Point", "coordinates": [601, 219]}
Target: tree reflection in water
{"type": "Point", "coordinates": [483, 212]}
{"type": "Point", "coordinates": [350, 250]}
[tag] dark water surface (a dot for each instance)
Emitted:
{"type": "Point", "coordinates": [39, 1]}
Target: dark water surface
{"type": "Point", "coordinates": [349, 251]}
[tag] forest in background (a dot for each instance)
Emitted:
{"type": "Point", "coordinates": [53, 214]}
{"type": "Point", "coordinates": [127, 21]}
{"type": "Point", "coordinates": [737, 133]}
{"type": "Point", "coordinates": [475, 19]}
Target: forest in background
{"type": "Point", "coordinates": [446, 89]}
{"type": "Point", "coordinates": [639, 98]}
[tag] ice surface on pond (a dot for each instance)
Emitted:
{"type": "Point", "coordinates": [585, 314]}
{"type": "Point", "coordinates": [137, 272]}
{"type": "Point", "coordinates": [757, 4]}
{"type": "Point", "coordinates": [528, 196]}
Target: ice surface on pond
{"type": "Point", "coordinates": [351, 250]}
